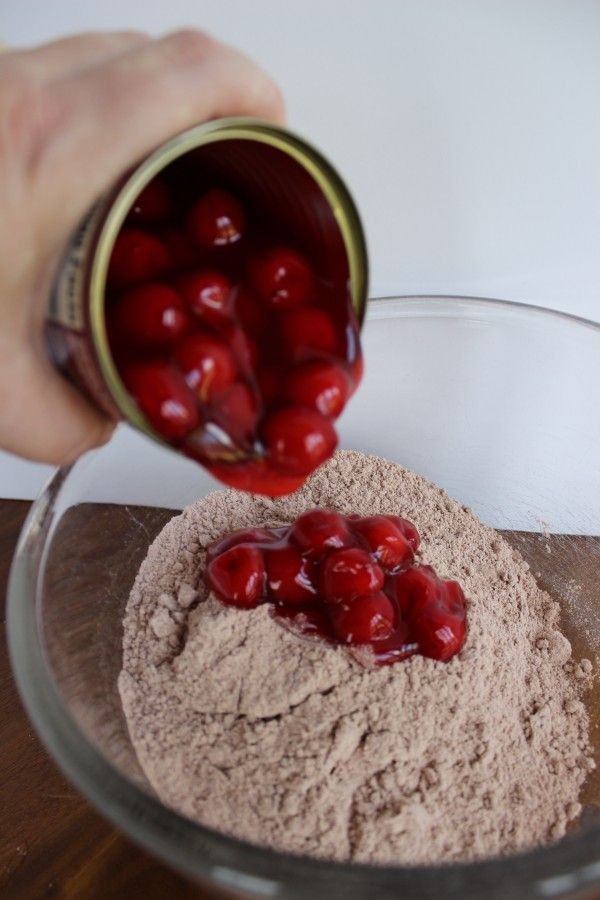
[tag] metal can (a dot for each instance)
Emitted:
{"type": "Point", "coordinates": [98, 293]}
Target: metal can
{"type": "Point", "coordinates": [288, 177]}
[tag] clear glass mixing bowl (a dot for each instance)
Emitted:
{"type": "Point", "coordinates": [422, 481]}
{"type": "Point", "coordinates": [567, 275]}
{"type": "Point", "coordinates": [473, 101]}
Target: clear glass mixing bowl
{"type": "Point", "coordinates": [499, 403]}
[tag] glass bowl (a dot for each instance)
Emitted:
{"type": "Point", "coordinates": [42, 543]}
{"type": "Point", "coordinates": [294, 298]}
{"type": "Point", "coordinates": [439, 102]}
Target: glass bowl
{"type": "Point", "coordinates": [497, 402]}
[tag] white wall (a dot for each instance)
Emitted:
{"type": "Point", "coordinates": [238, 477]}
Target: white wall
{"type": "Point", "coordinates": [467, 130]}
{"type": "Point", "coordinates": [494, 441]}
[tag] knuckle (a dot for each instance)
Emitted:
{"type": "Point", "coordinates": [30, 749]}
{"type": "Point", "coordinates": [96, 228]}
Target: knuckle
{"type": "Point", "coordinates": [97, 44]}
{"type": "Point", "coordinates": [190, 46]}
{"type": "Point", "coordinates": [129, 84]}
{"type": "Point", "coordinates": [17, 82]}
{"type": "Point", "coordinates": [272, 98]}
{"type": "Point", "coordinates": [22, 110]}
{"type": "Point", "coordinates": [31, 115]}
{"type": "Point", "coordinates": [133, 34]}
{"type": "Point", "coordinates": [123, 40]}
{"type": "Point", "coordinates": [249, 87]}
{"type": "Point", "coordinates": [263, 96]}
{"type": "Point", "coordinates": [100, 44]}
{"type": "Point", "coordinates": [245, 88]}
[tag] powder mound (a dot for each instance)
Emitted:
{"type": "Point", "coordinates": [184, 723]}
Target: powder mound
{"type": "Point", "coordinates": [248, 729]}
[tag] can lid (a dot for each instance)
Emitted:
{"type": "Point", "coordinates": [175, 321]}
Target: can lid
{"type": "Point", "coordinates": [336, 197]}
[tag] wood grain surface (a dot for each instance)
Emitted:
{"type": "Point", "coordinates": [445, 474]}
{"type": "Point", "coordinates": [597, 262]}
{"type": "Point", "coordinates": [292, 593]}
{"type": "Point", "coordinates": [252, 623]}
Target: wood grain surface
{"type": "Point", "coordinates": [53, 844]}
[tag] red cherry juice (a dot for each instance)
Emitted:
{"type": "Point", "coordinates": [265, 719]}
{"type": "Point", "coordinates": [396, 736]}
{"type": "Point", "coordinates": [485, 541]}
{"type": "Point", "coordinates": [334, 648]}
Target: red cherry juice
{"type": "Point", "coordinates": [344, 580]}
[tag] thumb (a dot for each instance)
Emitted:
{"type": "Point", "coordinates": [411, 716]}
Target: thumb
{"type": "Point", "coordinates": [48, 420]}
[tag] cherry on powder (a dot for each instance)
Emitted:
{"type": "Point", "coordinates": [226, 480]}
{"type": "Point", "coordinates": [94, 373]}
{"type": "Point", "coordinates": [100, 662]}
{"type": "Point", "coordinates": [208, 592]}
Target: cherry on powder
{"type": "Point", "coordinates": [346, 580]}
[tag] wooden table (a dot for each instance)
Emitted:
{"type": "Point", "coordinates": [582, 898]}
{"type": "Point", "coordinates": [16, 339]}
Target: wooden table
{"type": "Point", "coordinates": [53, 844]}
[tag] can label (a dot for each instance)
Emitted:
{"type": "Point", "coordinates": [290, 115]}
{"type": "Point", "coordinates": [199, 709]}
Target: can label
{"type": "Point", "coordinates": [68, 329]}
{"type": "Point", "coordinates": [67, 299]}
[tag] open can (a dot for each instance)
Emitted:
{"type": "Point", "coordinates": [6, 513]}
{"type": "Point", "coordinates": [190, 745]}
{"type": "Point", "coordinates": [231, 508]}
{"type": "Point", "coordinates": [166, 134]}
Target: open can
{"type": "Point", "coordinates": [285, 178]}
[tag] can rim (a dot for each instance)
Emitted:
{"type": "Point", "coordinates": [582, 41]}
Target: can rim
{"type": "Point", "coordinates": [232, 128]}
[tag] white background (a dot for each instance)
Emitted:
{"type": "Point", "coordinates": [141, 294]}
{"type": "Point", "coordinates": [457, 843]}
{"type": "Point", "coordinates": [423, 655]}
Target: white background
{"type": "Point", "coordinates": [468, 131]}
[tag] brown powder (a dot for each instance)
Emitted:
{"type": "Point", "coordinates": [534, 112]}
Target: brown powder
{"type": "Point", "coordinates": [245, 727]}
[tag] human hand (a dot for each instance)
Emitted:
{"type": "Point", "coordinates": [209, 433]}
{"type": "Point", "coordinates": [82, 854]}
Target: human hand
{"type": "Point", "coordinates": [74, 115]}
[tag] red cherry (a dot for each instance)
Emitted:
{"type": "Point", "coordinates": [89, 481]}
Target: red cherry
{"type": "Point", "coordinates": [207, 364]}
{"type": "Point", "coordinates": [269, 383]}
{"type": "Point", "coordinates": [153, 203]}
{"type": "Point", "coordinates": [250, 311]}
{"type": "Point", "coordinates": [454, 597]}
{"type": "Point", "coordinates": [163, 396]}
{"type": "Point", "coordinates": [298, 440]}
{"type": "Point", "coordinates": [319, 530]}
{"type": "Point", "coordinates": [440, 634]}
{"type": "Point", "coordinates": [385, 540]}
{"type": "Point", "coordinates": [399, 645]}
{"type": "Point", "coordinates": [243, 348]}
{"type": "Point", "coordinates": [289, 576]}
{"type": "Point", "coordinates": [242, 536]}
{"type": "Point", "coordinates": [366, 618]}
{"type": "Point", "coordinates": [216, 219]}
{"type": "Point", "coordinates": [148, 316]}
{"type": "Point", "coordinates": [348, 573]}
{"type": "Point", "coordinates": [237, 576]}
{"type": "Point", "coordinates": [207, 294]}
{"type": "Point", "coordinates": [417, 589]}
{"type": "Point", "coordinates": [306, 331]}
{"type": "Point", "coordinates": [236, 411]}
{"type": "Point", "coordinates": [408, 530]}
{"type": "Point", "coordinates": [310, 620]}
{"type": "Point", "coordinates": [255, 476]}
{"type": "Point", "coordinates": [283, 278]}
{"type": "Point", "coordinates": [357, 370]}
{"type": "Point", "coordinates": [136, 256]}
{"type": "Point", "coordinates": [226, 447]}
{"type": "Point", "coordinates": [181, 249]}
{"type": "Point", "coordinates": [303, 565]}
{"type": "Point", "coordinates": [318, 384]}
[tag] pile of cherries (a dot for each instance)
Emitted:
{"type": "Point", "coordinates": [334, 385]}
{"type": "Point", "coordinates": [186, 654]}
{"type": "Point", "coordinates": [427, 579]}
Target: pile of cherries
{"type": "Point", "coordinates": [344, 579]}
{"type": "Point", "coordinates": [232, 345]}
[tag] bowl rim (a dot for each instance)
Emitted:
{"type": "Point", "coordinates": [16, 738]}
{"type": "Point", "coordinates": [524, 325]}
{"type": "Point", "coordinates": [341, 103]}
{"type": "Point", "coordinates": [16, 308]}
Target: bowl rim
{"type": "Point", "coordinates": [416, 305]}
{"type": "Point", "coordinates": [226, 862]}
